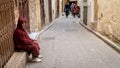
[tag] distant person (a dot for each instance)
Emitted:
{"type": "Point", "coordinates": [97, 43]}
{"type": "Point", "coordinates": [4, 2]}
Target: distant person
{"type": "Point", "coordinates": [76, 11]}
{"type": "Point", "coordinates": [67, 9]}
{"type": "Point", "coordinates": [71, 7]}
{"type": "Point", "coordinates": [23, 42]}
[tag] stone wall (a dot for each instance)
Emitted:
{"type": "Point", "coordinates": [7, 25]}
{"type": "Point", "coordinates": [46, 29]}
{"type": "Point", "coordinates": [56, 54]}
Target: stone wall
{"type": "Point", "coordinates": [16, 12]}
{"type": "Point", "coordinates": [53, 9]}
{"type": "Point", "coordinates": [46, 12]}
{"type": "Point", "coordinates": [34, 14]}
{"type": "Point", "coordinates": [60, 4]}
{"type": "Point", "coordinates": [108, 14]}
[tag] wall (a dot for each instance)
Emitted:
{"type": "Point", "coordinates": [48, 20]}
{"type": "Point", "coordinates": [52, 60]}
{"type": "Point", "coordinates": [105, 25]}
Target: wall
{"type": "Point", "coordinates": [6, 30]}
{"type": "Point", "coordinates": [46, 12]}
{"type": "Point", "coordinates": [108, 18]}
{"type": "Point", "coordinates": [53, 9]}
{"type": "Point", "coordinates": [16, 12]}
{"type": "Point", "coordinates": [81, 11]}
{"type": "Point", "coordinates": [34, 14]}
{"type": "Point", "coordinates": [103, 16]}
{"type": "Point", "coordinates": [60, 4]}
{"type": "Point", "coordinates": [90, 12]}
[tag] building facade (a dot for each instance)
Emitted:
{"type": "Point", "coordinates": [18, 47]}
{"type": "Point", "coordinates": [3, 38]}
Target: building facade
{"type": "Point", "coordinates": [6, 30]}
{"type": "Point", "coordinates": [108, 18]}
{"type": "Point", "coordinates": [102, 16]}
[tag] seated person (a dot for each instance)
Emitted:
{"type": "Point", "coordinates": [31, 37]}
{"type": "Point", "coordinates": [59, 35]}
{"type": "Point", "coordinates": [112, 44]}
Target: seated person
{"type": "Point", "coordinates": [23, 42]}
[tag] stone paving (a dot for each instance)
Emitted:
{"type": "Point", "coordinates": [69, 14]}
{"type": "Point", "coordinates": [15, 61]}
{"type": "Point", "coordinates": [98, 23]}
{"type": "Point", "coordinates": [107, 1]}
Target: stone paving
{"type": "Point", "coordinates": [67, 44]}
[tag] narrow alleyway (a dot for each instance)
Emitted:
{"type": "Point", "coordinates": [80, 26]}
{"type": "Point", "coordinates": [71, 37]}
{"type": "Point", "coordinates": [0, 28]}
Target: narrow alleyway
{"type": "Point", "coordinates": [69, 45]}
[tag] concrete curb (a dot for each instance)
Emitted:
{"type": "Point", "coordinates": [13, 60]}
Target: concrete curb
{"type": "Point", "coordinates": [109, 42]}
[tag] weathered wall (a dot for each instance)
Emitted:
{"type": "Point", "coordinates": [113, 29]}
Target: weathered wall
{"type": "Point", "coordinates": [34, 14]}
{"type": "Point", "coordinates": [46, 11]}
{"type": "Point", "coordinates": [6, 30]}
{"type": "Point", "coordinates": [64, 2]}
{"type": "Point", "coordinates": [60, 4]}
{"type": "Point", "coordinates": [90, 17]}
{"type": "Point", "coordinates": [57, 6]}
{"type": "Point", "coordinates": [108, 18]}
{"type": "Point", "coordinates": [53, 9]}
{"type": "Point", "coordinates": [16, 12]}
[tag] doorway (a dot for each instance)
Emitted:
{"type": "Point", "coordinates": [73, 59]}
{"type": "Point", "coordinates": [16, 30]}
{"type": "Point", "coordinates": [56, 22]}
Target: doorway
{"type": "Point", "coordinates": [85, 9]}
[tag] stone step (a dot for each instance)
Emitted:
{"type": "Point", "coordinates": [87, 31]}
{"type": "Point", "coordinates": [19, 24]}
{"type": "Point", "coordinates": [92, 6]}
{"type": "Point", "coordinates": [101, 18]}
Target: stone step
{"type": "Point", "coordinates": [17, 60]}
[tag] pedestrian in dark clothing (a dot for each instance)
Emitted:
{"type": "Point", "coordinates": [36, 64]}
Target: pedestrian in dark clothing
{"type": "Point", "coordinates": [67, 9]}
{"type": "Point", "coordinates": [23, 42]}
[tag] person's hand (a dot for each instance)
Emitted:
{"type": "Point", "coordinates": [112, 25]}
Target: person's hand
{"type": "Point", "coordinates": [35, 41]}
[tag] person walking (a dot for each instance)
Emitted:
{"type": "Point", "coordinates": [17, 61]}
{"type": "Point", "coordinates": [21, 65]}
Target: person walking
{"type": "Point", "coordinates": [72, 7]}
{"type": "Point", "coordinates": [67, 9]}
{"type": "Point", "coordinates": [76, 11]}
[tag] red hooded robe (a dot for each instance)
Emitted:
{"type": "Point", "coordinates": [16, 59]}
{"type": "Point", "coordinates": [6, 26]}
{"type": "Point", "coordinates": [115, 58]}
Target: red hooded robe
{"type": "Point", "coordinates": [22, 40]}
